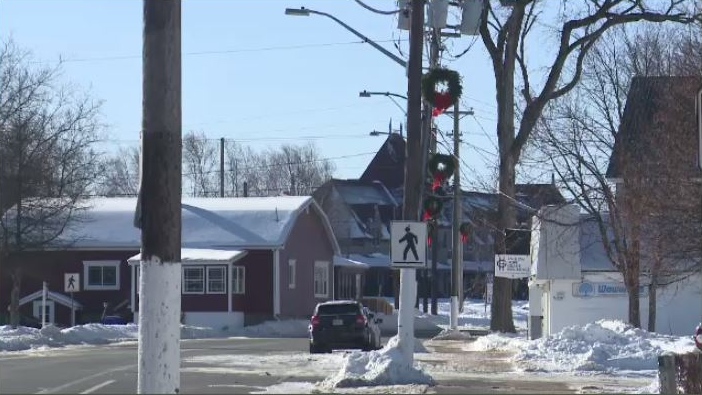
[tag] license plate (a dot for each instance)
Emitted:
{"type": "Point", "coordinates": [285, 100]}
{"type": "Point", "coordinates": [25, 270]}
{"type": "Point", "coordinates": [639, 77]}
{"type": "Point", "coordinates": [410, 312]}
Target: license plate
{"type": "Point", "coordinates": [337, 322]}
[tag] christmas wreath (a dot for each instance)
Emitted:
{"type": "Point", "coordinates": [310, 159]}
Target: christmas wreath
{"type": "Point", "coordinates": [441, 166]}
{"type": "Point", "coordinates": [465, 229]}
{"type": "Point", "coordinates": [444, 99]}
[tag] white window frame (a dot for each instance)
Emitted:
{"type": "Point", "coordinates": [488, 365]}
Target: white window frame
{"type": "Point", "coordinates": [86, 269]}
{"type": "Point", "coordinates": [223, 269]}
{"type": "Point", "coordinates": [292, 273]}
{"type": "Point", "coordinates": [322, 266]}
{"type": "Point", "coordinates": [202, 270]}
{"type": "Point", "coordinates": [238, 280]}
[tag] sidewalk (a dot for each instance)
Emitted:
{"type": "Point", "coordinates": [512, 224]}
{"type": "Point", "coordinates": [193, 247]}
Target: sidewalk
{"type": "Point", "coordinates": [494, 372]}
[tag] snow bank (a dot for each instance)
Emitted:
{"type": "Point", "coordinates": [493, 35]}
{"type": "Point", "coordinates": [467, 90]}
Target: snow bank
{"type": "Point", "coordinates": [24, 338]}
{"type": "Point", "coordinates": [603, 346]}
{"type": "Point", "coordinates": [449, 334]}
{"type": "Point", "coordinates": [383, 367]}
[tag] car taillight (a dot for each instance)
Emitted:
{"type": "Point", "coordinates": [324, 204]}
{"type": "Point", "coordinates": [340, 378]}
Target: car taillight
{"type": "Point", "coordinates": [315, 320]}
{"type": "Point", "coordinates": [361, 320]}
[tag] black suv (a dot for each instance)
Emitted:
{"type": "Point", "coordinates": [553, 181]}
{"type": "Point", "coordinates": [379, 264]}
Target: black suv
{"type": "Point", "coordinates": [343, 324]}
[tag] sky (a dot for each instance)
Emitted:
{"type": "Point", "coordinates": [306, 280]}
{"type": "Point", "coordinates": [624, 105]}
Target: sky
{"type": "Point", "coordinates": [607, 356]}
{"type": "Point", "coordinates": [255, 75]}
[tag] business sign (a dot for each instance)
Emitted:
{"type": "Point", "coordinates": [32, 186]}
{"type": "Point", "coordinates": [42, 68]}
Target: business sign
{"type": "Point", "coordinates": [588, 289]}
{"type": "Point", "coordinates": [511, 266]}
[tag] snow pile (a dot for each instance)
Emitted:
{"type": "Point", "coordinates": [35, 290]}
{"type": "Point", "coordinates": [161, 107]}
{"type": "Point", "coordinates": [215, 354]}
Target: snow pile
{"type": "Point", "coordinates": [603, 346]}
{"type": "Point", "coordinates": [383, 367]}
{"type": "Point", "coordinates": [25, 338]}
{"type": "Point", "coordinates": [452, 334]}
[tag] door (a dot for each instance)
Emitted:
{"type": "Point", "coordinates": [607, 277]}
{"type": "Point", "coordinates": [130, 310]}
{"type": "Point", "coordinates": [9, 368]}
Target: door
{"type": "Point", "coordinates": [49, 311]}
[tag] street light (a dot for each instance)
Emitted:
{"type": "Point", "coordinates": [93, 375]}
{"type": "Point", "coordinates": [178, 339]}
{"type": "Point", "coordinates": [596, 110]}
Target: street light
{"type": "Point", "coordinates": [302, 11]}
{"type": "Point", "coordinates": [389, 95]}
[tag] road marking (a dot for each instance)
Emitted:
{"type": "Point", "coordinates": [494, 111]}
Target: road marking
{"type": "Point", "coordinates": [97, 387]}
{"type": "Point", "coordinates": [62, 388]}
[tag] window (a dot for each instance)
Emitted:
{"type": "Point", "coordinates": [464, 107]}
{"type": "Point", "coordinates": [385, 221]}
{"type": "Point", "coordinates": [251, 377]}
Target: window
{"type": "Point", "coordinates": [101, 275]}
{"type": "Point", "coordinates": [291, 273]}
{"type": "Point", "coordinates": [321, 279]}
{"type": "Point", "coordinates": [194, 280]}
{"type": "Point", "coordinates": [49, 309]}
{"type": "Point", "coordinates": [238, 279]}
{"type": "Point", "coordinates": [216, 280]}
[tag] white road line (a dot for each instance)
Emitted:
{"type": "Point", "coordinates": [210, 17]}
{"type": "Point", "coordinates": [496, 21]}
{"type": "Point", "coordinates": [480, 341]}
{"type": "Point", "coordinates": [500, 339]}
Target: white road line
{"type": "Point", "coordinates": [62, 388]}
{"type": "Point", "coordinates": [97, 387]}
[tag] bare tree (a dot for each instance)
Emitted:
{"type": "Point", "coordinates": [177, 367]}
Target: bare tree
{"type": "Point", "coordinates": [578, 26]}
{"type": "Point", "coordinates": [576, 137]}
{"type": "Point", "coordinates": [240, 163]}
{"type": "Point", "coordinates": [294, 170]}
{"type": "Point", "coordinates": [200, 157]}
{"type": "Point", "coordinates": [119, 175]}
{"type": "Point", "coordinates": [46, 160]}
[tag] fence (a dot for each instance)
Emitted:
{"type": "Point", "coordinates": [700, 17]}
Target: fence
{"type": "Point", "coordinates": [680, 373]}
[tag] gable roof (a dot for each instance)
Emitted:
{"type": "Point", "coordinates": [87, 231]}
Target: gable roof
{"type": "Point", "coordinates": [358, 192]}
{"type": "Point", "coordinates": [388, 164]}
{"type": "Point", "coordinates": [656, 106]}
{"type": "Point", "coordinates": [218, 223]}
{"type": "Point", "coordinates": [51, 295]}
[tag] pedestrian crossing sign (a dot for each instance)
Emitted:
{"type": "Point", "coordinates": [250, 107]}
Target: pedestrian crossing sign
{"type": "Point", "coordinates": [71, 282]}
{"type": "Point", "coordinates": [408, 244]}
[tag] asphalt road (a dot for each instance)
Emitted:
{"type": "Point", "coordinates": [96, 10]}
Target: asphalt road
{"type": "Point", "coordinates": [249, 365]}
{"type": "Point", "coordinates": [113, 369]}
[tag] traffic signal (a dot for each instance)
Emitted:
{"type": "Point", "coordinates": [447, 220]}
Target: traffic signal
{"type": "Point", "coordinates": [440, 168]}
{"type": "Point", "coordinates": [465, 230]}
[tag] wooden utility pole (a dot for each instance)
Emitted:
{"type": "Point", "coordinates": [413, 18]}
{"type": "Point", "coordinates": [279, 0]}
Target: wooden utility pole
{"type": "Point", "coordinates": [160, 201]}
{"type": "Point", "coordinates": [457, 256]}
{"type": "Point", "coordinates": [413, 173]}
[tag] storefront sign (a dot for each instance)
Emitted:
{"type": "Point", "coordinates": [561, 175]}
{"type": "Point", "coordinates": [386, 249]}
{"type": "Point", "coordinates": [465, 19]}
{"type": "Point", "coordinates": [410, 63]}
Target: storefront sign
{"type": "Point", "coordinates": [589, 289]}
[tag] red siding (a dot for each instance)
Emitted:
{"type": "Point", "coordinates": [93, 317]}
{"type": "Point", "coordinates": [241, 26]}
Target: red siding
{"type": "Point", "coordinates": [308, 242]}
{"type": "Point", "coordinates": [50, 266]}
{"type": "Point", "coordinates": [258, 287]}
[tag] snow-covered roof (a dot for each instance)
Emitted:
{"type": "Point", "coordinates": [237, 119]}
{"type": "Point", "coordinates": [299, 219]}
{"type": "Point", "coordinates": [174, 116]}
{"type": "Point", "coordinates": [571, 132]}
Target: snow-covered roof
{"type": "Point", "coordinates": [347, 262]}
{"type": "Point", "coordinates": [374, 259]}
{"type": "Point", "coordinates": [201, 255]}
{"type": "Point", "coordinates": [51, 295]}
{"type": "Point", "coordinates": [215, 223]}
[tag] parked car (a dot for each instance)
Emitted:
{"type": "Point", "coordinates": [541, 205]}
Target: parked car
{"type": "Point", "coordinates": [342, 324]}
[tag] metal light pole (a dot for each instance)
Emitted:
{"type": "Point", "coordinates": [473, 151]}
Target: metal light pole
{"type": "Point", "coordinates": [389, 95]}
{"type": "Point", "coordinates": [302, 11]}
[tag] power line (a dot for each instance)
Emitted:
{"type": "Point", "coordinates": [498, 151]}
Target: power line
{"type": "Point", "coordinates": [215, 52]}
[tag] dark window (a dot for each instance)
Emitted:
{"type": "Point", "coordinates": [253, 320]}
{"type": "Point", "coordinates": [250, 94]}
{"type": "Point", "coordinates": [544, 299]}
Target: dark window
{"type": "Point", "coordinates": [338, 308]}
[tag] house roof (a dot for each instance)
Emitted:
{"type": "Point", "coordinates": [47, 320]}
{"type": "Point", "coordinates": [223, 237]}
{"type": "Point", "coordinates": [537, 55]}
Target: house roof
{"type": "Point", "coordinates": [51, 295]}
{"type": "Point", "coordinates": [358, 192]}
{"type": "Point", "coordinates": [655, 107]}
{"type": "Point", "coordinates": [388, 164]}
{"type": "Point", "coordinates": [196, 255]}
{"type": "Point", "coordinates": [216, 223]}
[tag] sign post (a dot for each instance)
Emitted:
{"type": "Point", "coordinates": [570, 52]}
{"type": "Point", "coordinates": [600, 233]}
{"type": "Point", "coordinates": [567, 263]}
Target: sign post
{"type": "Point", "coordinates": [408, 251]}
{"type": "Point", "coordinates": [71, 284]}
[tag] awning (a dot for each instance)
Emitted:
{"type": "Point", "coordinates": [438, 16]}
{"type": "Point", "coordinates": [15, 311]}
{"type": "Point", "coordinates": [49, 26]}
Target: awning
{"type": "Point", "coordinates": [340, 261]}
{"type": "Point", "coordinates": [199, 255]}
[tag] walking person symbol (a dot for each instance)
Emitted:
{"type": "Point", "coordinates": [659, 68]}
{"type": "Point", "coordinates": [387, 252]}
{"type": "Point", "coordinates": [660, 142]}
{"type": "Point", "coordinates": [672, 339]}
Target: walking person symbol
{"type": "Point", "coordinates": [71, 282]}
{"type": "Point", "coordinates": [411, 240]}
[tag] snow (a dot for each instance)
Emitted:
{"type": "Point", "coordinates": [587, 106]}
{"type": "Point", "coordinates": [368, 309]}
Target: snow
{"type": "Point", "coordinates": [604, 346]}
{"type": "Point", "coordinates": [221, 223]}
{"type": "Point", "coordinates": [601, 352]}
{"type": "Point", "coordinates": [201, 254]}
{"type": "Point", "coordinates": [386, 366]}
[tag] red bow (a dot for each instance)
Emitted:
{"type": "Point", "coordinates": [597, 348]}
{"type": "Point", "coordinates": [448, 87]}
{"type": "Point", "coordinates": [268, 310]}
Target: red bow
{"type": "Point", "coordinates": [442, 101]}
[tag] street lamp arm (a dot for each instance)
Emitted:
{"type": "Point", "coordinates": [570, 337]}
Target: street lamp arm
{"type": "Point", "coordinates": [375, 45]}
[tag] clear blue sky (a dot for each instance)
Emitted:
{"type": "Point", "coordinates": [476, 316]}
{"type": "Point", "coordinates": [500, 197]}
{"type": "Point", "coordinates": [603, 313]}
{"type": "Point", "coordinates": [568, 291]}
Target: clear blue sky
{"type": "Point", "coordinates": [253, 74]}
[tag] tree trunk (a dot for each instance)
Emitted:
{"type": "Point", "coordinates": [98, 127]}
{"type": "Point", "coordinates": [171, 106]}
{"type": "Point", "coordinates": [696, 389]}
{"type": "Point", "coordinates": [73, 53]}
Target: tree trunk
{"type": "Point", "coordinates": [501, 308]}
{"type": "Point", "coordinates": [16, 275]}
{"type": "Point", "coordinates": [652, 303]}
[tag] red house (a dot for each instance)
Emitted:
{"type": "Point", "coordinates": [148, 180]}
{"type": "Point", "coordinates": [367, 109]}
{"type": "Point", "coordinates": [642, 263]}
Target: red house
{"type": "Point", "coordinates": [244, 260]}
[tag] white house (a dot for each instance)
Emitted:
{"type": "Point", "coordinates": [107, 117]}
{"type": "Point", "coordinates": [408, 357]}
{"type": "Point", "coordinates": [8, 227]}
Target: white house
{"type": "Point", "coordinates": [572, 281]}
